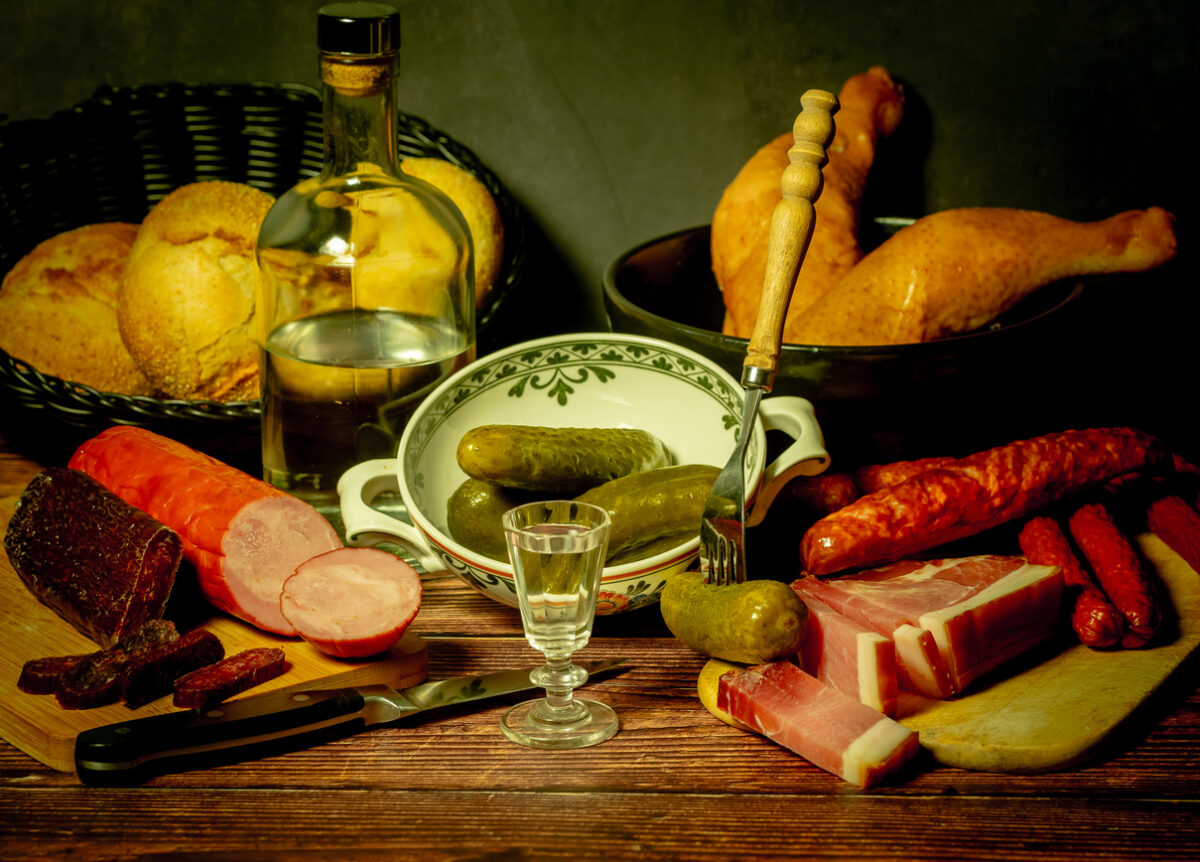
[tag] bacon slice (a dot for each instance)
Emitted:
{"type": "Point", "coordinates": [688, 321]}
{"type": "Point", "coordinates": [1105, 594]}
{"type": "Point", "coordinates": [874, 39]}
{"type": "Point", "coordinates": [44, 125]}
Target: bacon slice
{"type": "Point", "coordinates": [849, 657]}
{"type": "Point", "coordinates": [951, 620]}
{"type": "Point", "coordinates": [824, 726]}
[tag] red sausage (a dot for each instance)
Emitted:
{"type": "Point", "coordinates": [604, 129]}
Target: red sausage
{"type": "Point", "coordinates": [1119, 571]}
{"type": "Point", "coordinates": [1094, 618]}
{"type": "Point", "coordinates": [822, 494]}
{"type": "Point", "coordinates": [1178, 525]}
{"type": "Point", "coordinates": [352, 602]}
{"type": "Point", "coordinates": [970, 495]}
{"type": "Point", "coordinates": [244, 537]}
{"type": "Point", "coordinates": [876, 477]}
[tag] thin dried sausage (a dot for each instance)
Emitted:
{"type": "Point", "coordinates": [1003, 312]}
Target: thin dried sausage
{"type": "Point", "coordinates": [1119, 571]}
{"type": "Point", "coordinates": [1095, 619]}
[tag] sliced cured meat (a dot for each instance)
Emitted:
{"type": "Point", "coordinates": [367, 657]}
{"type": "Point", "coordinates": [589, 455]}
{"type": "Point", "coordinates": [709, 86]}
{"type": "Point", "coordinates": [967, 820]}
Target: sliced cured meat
{"type": "Point", "coordinates": [101, 564]}
{"type": "Point", "coordinates": [352, 602]}
{"type": "Point", "coordinates": [97, 679]}
{"type": "Point", "coordinates": [45, 675]}
{"type": "Point", "coordinates": [830, 729]}
{"type": "Point", "coordinates": [849, 657]}
{"type": "Point", "coordinates": [152, 673]}
{"type": "Point", "coordinates": [208, 686]}
{"type": "Point", "coordinates": [979, 612]}
{"type": "Point", "coordinates": [972, 494]}
{"type": "Point", "coordinates": [244, 536]}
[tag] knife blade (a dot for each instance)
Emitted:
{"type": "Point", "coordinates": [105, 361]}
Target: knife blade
{"type": "Point", "coordinates": [277, 721]}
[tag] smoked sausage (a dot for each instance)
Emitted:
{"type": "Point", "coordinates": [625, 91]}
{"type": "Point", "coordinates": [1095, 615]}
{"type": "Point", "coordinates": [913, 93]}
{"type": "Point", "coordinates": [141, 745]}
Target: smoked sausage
{"type": "Point", "coordinates": [1178, 525]}
{"type": "Point", "coordinates": [1094, 618]}
{"type": "Point", "coordinates": [244, 537]}
{"type": "Point", "coordinates": [1119, 571]}
{"type": "Point", "coordinates": [971, 494]}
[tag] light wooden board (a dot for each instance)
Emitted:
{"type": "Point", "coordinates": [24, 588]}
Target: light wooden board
{"type": "Point", "coordinates": [1063, 710]}
{"type": "Point", "coordinates": [37, 725]}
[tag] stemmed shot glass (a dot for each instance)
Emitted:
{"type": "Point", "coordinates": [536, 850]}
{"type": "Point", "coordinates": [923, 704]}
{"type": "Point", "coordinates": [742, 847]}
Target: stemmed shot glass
{"type": "Point", "coordinates": [557, 548]}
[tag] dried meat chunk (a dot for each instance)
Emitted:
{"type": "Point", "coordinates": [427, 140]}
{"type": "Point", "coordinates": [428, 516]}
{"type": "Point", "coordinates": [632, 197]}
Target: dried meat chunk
{"type": "Point", "coordinates": [45, 675]}
{"type": "Point", "coordinates": [98, 562]}
{"type": "Point", "coordinates": [152, 674]}
{"type": "Point", "coordinates": [210, 685]}
{"type": "Point", "coordinates": [97, 680]}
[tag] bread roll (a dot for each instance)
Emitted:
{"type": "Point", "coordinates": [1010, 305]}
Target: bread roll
{"type": "Point", "coordinates": [478, 208]}
{"type": "Point", "coordinates": [186, 305]}
{"type": "Point", "coordinates": [59, 307]}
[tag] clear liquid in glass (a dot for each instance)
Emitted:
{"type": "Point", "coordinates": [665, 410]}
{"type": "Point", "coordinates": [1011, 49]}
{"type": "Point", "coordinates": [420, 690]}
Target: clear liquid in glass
{"type": "Point", "coordinates": [560, 570]}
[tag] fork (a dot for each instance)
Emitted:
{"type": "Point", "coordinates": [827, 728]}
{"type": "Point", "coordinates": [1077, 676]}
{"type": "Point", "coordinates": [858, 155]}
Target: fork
{"type": "Point", "coordinates": [723, 525]}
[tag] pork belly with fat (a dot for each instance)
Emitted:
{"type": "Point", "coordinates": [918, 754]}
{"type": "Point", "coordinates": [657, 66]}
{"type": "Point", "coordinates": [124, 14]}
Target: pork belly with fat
{"type": "Point", "coordinates": [849, 657]}
{"type": "Point", "coordinates": [952, 620]}
{"type": "Point", "coordinates": [824, 726]}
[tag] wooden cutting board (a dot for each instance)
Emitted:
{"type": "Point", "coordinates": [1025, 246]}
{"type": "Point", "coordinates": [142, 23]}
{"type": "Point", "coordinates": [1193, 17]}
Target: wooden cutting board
{"type": "Point", "coordinates": [37, 725]}
{"type": "Point", "coordinates": [1052, 712]}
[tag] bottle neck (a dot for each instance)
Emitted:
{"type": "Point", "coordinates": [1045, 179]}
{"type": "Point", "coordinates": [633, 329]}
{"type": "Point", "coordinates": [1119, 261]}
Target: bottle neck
{"type": "Point", "coordinates": [359, 114]}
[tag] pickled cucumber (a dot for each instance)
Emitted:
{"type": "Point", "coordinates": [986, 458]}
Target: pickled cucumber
{"type": "Point", "coordinates": [747, 623]}
{"type": "Point", "coordinates": [557, 460]}
{"type": "Point", "coordinates": [473, 515]}
{"type": "Point", "coordinates": [646, 506]}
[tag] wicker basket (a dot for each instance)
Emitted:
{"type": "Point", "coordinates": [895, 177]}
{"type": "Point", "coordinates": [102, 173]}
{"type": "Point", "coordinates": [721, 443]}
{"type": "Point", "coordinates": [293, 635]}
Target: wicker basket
{"type": "Point", "coordinates": [113, 156]}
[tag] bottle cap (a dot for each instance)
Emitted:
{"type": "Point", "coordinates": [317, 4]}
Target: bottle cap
{"type": "Point", "coordinates": [358, 28]}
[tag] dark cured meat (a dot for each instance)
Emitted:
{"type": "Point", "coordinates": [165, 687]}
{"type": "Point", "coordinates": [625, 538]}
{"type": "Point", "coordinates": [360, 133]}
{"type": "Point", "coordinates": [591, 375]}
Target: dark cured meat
{"type": "Point", "coordinates": [98, 562]}
{"type": "Point", "coordinates": [210, 685]}
{"type": "Point", "coordinates": [244, 536]}
{"type": "Point", "coordinates": [1119, 571]}
{"type": "Point", "coordinates": [152, 674]}
{"type": "Point", "coordinates": [970, 495]}
{"type": "Point", "coordinates": [98, 678]}
{"type": "Point", "coordinates": [45, 675]}
{"type": "Point", "coordinates": [1095, 620]}
{"type": "Point", "coordinates": [1178, 525]}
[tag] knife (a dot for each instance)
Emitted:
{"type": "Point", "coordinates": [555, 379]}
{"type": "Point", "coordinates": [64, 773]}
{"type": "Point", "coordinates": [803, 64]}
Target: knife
{"type": "Point", "coordinates": [278, 721]}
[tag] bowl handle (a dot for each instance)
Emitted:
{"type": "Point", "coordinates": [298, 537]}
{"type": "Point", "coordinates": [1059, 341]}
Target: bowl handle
{"type": "Point", "coordinates": [366, 526]}
{"type": "Point", "coordinates": [806, 456]}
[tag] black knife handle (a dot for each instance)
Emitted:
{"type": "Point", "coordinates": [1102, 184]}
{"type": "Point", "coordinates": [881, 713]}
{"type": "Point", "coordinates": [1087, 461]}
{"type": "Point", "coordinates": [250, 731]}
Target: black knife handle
{"type": "Point", "coordinates": [128, 751]}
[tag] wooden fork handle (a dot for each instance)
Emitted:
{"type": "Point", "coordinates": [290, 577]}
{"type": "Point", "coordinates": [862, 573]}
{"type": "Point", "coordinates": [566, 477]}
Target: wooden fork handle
{"type": "Point", "coordinates": [791, 230]}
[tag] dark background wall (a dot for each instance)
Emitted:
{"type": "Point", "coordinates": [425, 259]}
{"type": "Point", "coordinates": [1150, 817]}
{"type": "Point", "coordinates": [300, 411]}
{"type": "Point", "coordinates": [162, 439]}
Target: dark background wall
{"type": "Point", "coordinates": [615, 121]}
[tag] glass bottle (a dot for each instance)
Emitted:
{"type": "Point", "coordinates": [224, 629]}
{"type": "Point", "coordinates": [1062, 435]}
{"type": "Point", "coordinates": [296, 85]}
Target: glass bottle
{"type": "Point", "coordinates": [366, 296]}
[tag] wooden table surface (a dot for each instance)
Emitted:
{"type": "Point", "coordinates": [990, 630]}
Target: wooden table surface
{"type": "Point", "coordinates": [673, 784]}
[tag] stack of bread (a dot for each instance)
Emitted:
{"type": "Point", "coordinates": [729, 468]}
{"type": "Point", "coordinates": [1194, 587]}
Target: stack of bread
{"type": "Point", "coordinates": [166, 308]}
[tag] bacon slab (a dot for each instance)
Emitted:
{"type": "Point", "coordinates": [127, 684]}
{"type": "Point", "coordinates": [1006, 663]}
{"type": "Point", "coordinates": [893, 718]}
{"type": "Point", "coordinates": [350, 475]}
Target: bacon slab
{"type": "Point", "coordinates": [951, 620]}
{"type": "Point", "coordinates": [849, 657]}
{"type": "Point", "coordinates": [830, 729]}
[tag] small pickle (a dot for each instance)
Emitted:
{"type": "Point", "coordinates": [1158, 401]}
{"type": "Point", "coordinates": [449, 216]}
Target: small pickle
{"type": "Point", "coordinates": [557, 460]}
{"type": "Point", "coordinates": [473, 515]}
{"type": "Point", "coordinates": [747, 623]}
{"type": "Point", "coordinates": [647, 506]}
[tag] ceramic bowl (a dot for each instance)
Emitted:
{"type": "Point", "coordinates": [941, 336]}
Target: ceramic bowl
{"type": "Point", "coordinates": [578, 380]}
{"type": "Point", "coordinates": [877, 402]}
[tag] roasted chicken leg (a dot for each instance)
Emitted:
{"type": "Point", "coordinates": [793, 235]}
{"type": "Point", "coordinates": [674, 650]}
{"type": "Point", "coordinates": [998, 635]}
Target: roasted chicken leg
{"type": "Point", "coordinates": [955, 270]}
{"type": "Point", "coordinates": [872, 105]}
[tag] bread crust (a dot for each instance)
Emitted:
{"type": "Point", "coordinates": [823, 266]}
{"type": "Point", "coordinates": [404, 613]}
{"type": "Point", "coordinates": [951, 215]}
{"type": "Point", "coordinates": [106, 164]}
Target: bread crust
{"type": "Point", "coordinates": [186, 304]}
{"type": "Point", "coordinates": [59, 307]}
